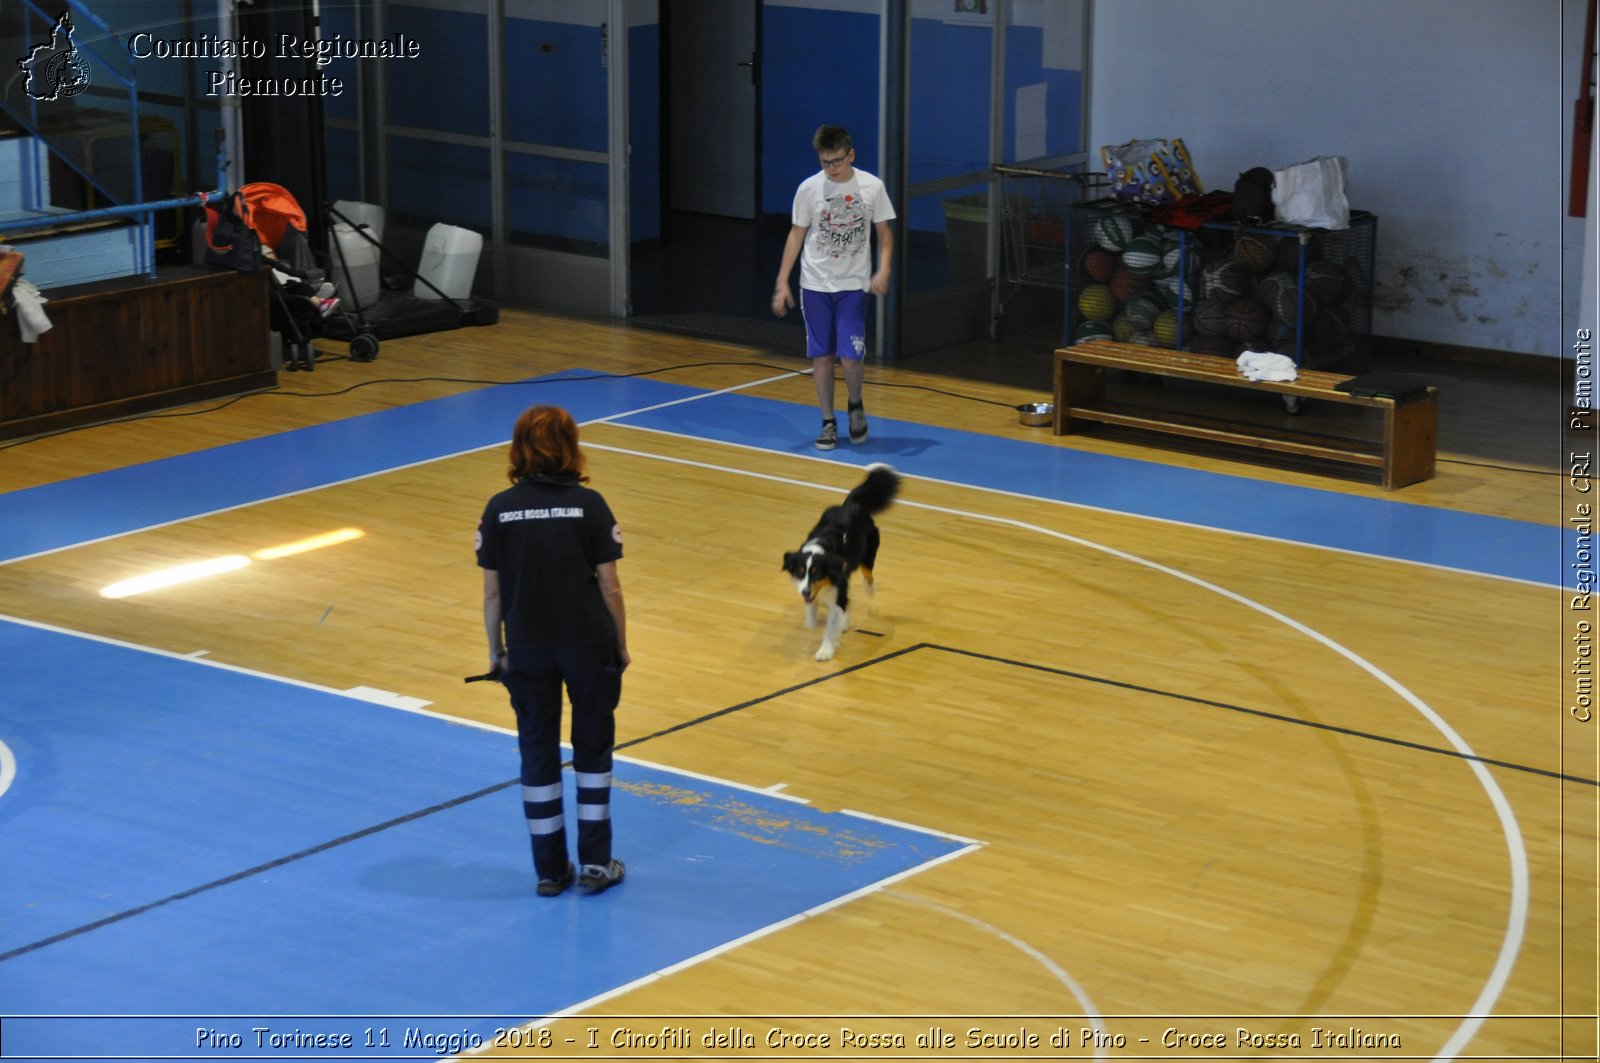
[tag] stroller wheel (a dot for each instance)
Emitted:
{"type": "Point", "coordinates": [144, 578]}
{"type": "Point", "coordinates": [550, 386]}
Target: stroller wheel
{"type": "Point", "coordinates": [363, 347]}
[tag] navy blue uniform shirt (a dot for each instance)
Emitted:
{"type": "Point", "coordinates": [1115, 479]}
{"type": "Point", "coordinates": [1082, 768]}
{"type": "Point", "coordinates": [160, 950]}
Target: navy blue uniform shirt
{"type": "Point", "coordinates": [545, 536]}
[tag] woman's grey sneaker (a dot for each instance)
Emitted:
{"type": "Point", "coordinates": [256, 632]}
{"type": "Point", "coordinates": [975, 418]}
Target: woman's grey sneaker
{"type": "Point", "coordinates": [554, 887]}
{"type": "Point", "coordinates": [599, 877]}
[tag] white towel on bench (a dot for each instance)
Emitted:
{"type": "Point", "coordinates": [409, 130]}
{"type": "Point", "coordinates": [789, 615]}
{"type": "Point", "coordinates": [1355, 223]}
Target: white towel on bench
{"type": "Point", "coordinates": [1265, 365]}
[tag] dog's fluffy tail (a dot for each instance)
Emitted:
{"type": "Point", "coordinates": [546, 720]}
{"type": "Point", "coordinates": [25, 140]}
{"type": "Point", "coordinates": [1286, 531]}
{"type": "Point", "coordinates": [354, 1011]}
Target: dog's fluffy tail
{"type": "Point", "coordinates": [878, 490]}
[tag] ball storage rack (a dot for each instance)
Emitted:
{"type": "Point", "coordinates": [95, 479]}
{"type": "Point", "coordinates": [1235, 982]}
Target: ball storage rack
{"type": "Point", "coordinates": [1223, 288]}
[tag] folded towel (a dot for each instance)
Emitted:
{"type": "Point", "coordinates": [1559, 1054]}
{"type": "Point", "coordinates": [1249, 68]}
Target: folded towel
{"type": "Point", "coordinates": [1265, 365]}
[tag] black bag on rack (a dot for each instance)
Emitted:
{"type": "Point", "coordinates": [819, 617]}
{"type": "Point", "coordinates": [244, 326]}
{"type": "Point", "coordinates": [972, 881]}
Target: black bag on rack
{"type": "Point", "coordinates": [1252, 196]}
{"type": "Point", "coordinates": [230, 242]}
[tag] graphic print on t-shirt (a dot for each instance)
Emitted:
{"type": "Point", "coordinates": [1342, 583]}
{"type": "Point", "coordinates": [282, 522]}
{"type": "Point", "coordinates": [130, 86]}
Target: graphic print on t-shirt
{"type": "Point", "coordinates": [841, 228]}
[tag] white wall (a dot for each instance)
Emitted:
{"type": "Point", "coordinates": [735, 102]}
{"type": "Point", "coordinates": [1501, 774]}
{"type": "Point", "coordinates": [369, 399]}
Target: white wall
{"type": "Point", "coordinates": [1453, 114]}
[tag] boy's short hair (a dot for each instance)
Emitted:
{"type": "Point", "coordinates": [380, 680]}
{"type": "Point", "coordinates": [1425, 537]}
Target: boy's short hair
{"type": "Point", "coordinates": [830, 138]}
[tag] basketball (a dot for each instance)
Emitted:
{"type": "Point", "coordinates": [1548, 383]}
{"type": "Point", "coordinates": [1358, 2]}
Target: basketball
{"type": "Point", "coordinates": [1113, 233]}
{"type": "Point", "coordinates": [1096, 303]}
{"type": "Point", "coordinates": [1175, 290]}
{"type": "Point", "coordinates": [1211, 317]}
{"type": "Point", "coordinates": [1289, 302]}
{"type": "Point", "coordinates": [1289, 252]}
{"type": "Point", "coordinates": [1328, 282]}
{"type": "Point", "coordinates": [1142, 256]}
{"type": "Point", "coordinates": [1268, 286]}
{"type": "Point", "coordinates": [1125, 285]}
{"type": "Point", "coordinates": [1220, 346]}
{"type": "Point", "coordinates": [1092, 330]}
{"type": "Point", "coordinates": [1098, 264]}
{"type": "Point", "coordinates": [1142, 310]}
{"type": "Point", "coordinates": [1122, 329]}
{"type": "Point", "coordinates": [1176, 254]}
{"type": "Point", "coordinates": [1143, 339]}
{"type": "Point", "coordinates": [1247, 319]}
{"type": "Point", "coordinates": [1166, 328]}
{"type": "Point", "coordinates": [1254, 253]}
{"type": "Point", "coordinates": [1226, 280]}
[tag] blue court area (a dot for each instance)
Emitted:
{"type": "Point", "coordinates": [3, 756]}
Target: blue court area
{"type": "Point", "coordinates": [226, 849]}
{"type": "Point", "coordinates": [56, 516]}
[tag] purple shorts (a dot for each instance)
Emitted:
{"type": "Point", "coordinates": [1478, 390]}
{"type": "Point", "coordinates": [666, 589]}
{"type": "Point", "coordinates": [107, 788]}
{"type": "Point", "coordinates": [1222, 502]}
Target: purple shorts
{"type": "Point", "coordinates": [836, 323]}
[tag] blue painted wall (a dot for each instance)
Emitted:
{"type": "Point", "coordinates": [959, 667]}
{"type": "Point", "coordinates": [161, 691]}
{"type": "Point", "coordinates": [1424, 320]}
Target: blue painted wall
{"type": "Point", "coordinates": [821, 69]}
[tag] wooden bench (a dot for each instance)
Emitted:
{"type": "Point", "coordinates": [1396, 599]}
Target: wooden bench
{"type": "Point", "coordinates": [1405, 454]}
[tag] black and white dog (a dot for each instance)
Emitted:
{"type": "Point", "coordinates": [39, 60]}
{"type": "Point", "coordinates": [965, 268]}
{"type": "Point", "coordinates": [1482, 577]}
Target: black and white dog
{"type": "Point", "coordinates": [844, 540]}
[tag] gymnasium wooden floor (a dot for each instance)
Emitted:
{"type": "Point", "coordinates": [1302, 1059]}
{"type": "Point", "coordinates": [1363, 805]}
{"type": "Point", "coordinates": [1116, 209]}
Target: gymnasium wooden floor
{"type": "Point", "coordinates": [1237, 797]}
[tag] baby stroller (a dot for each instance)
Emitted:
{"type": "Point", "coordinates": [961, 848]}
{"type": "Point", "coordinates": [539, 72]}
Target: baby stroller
{"type": "Point", "coordinates": [304, 305]}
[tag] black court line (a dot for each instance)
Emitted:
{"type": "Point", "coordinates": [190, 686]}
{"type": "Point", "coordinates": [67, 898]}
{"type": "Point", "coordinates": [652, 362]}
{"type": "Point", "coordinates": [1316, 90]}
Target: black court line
{"type": "Point", "coordinates": [774, 695]}
{"type": "Point", "coordinates": [1263, 713]}
{"type": "Point", "coordinates": [409, 817]}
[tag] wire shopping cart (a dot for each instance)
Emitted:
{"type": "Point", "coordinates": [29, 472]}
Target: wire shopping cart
{"type": "Point", "coordinates": [1033, 227]}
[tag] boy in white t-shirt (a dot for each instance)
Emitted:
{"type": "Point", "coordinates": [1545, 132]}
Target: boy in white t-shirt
{"type": "Point", "coordinates": [835, 213]}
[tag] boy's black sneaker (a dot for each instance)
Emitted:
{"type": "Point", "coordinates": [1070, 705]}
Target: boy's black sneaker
{"type": "Point", "coordinates": [858, 424]}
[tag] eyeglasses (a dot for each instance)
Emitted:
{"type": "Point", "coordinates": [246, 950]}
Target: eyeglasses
{"type": "Point", "coordinates": [829, 164]}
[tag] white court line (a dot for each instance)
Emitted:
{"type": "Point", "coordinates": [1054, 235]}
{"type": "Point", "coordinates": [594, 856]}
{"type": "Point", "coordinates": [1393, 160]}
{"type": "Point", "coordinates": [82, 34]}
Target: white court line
{"type": "Point", "coordinates": [1085, 506]}
{"type": "Point", "coordinates": [8, 767]}
{"type": "Point", "coordinates": [381, 472]}
{"type": "Point", "coordinates": [1516, 923]}
{"type": "Point", "coordinates": [1081, 995]}
{"type": "Point", "coordinates": [1517, 919]}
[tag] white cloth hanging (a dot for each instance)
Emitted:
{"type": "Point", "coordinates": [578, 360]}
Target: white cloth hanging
{"type": "Point", "coordinates": [32, 321]}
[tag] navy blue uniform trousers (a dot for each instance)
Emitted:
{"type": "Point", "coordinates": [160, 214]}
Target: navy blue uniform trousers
{"type": "Point", "coordinates": [535, 678]}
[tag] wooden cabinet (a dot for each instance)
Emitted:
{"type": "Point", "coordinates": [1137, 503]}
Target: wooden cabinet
{"type": "Point", "coordinates": [136, 344]}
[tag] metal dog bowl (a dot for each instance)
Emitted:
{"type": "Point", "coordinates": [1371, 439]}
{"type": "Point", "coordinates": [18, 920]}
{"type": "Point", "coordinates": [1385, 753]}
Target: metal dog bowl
{"type": "Point", "coordinates": [1037, 414]}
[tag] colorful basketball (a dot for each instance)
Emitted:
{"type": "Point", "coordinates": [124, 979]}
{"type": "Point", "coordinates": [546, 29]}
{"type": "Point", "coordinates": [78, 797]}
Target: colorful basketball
{"type": "Point", "coordinates": [1226, 280]}
{"type": "Point", "coordinates": [1175, 290]}
{"type": "Point", "coordinates": [1248, 319]}
{"type": "Point", "coordinates": [1096, 303]}
{"type": "Point", "coordinates": [1166, 328]}
{"type": "Point", "coordinates": [1098, 264]}
{"type": "Point", "coordinates": [1122, 329]}
{"type": "Point", "coordinates": [1142, 256]}
{"type": "Point", "coordinates": [1211, 317]}
{"type": "Point", "coordinates": [1113, 232]}
{"type": "Point", "coordinates": [1254, 253]}
{"type": "Point", "coordinates": [1142, 310]}
{"type": "Point", "coordinates": [1125, 285]}
{"type": "Point", "coordinates": [1092, 330]}
{"type": "Point", "coordinates": [1178, 254]}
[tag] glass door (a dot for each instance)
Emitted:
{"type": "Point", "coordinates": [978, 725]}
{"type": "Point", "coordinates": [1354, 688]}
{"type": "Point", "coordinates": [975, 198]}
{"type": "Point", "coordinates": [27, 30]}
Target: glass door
{"type": "Point", "coordinates": [510, 120]}
{"type": "Point", "coordinates": [1021, 99]}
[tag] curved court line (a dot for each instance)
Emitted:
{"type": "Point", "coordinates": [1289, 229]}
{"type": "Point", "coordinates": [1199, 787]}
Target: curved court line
{"type": "Point", "coordinates": [1517, 917]}
{"type": "Point", "coordinates": [8, 768]}
{"type": "Point", "coordinates": [1090, 1011]}
{"type": "Point", "coordinates": [1090, 508]}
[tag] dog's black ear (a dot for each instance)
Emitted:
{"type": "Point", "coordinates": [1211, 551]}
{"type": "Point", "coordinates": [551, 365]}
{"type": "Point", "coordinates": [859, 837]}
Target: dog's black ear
{"type": "Point", "coordinates": [834, 567]}
{"type": "Point", "coordinates": [791, 562]}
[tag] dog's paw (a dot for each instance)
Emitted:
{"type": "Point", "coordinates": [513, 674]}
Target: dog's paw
{"type": "Point", "coordinates": [825, 653]}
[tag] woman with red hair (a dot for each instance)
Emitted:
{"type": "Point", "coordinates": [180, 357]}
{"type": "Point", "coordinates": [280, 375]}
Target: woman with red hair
{"type": "Point", "coordinates": [552, 608]}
